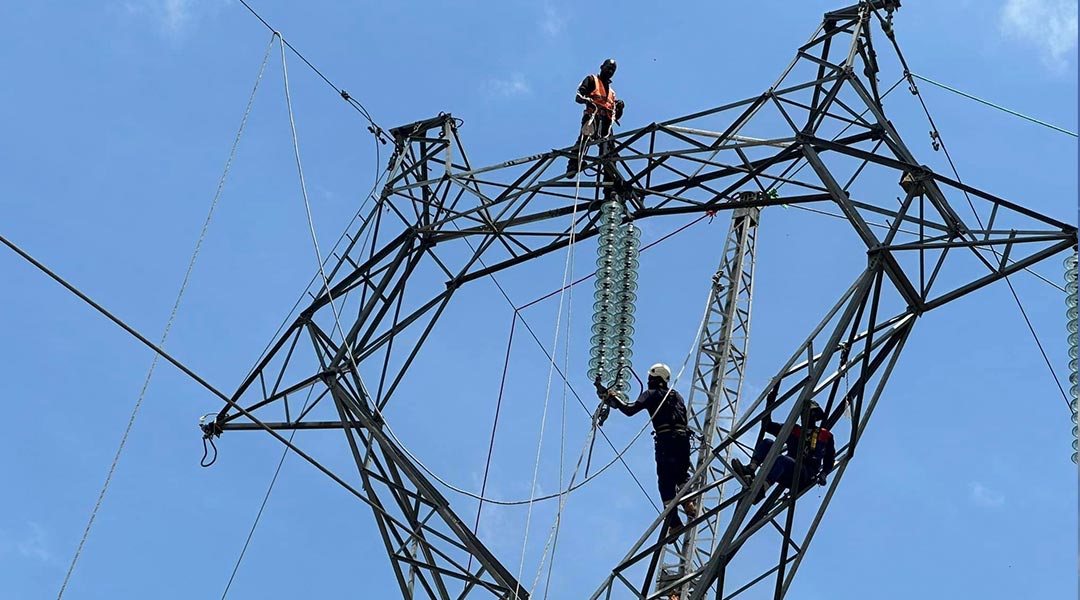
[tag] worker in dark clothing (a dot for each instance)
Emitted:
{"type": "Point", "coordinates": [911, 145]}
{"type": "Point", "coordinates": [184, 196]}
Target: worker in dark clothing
{"type": "Point", "coordinates": [818, 455]}
{"type": "Point", "coordinates": [670, 432]}
{"type": "Point", "coordinates": [601, 107]}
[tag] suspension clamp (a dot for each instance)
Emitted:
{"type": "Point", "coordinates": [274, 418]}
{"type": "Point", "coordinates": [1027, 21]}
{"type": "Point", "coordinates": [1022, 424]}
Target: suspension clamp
{"type": "Point", "coordinates": [210, 428]}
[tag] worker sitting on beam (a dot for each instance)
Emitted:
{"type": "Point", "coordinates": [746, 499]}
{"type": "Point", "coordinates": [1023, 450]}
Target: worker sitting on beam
{"type": "Point", "coordinates": [818, 455]}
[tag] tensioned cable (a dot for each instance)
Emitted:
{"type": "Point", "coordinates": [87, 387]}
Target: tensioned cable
{"type": "Point", "coordinates": [494, 429]}
{"type": "Point", "coordinates": [191, 374]}
{"type": "Point", "coordinates": [376, 130]}
{"type": "Point", "coordinates": [952, 166]}
{"type": "Point", "coordinates": [266, 498]}
{"type": "Point", "coordinates": [992, 105]}
{"type": "Point", "coordinates": [169, 323]}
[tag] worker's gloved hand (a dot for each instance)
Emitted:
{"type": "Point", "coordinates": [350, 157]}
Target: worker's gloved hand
{"type": "Point", "coordinates": [611, 398]}
{"type": "Point", "coordinates": [820, 479]}
{"type": "Point", "coordinates": [601, 391]}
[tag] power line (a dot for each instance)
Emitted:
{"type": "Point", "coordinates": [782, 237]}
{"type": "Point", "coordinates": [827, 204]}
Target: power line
{"type": "Point", "coordinates": [937, 133]}
{"type": "Point", "coordinates": [266, 498]}
{"type": "Point", "coordinates": [375, 129]}
{"type": "Point", "coordinates": [992, 105]}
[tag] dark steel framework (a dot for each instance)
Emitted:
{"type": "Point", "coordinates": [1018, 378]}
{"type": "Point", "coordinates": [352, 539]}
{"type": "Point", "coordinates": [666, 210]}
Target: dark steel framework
{"type": "Point", "coordinates": [713, 403]}
{"type": "Point", "coordinates": [820, 135]}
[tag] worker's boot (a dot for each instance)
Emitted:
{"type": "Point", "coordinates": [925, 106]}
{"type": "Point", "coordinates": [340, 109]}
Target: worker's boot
{"type": "Point", "coordinates": [571, 167]}
{"type": "Point", "coordinates": [745, 472]}
{"type": "Point", "coordinates": [690, 508]}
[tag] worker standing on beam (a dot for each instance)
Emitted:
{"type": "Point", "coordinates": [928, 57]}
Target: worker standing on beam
{"type": "Point", "coordinates": [601, 108]}
{"type": "Point", "coordinates": [671, 435]}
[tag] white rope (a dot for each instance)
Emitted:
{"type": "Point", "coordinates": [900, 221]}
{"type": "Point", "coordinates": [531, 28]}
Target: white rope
{"type": "Point", "coordinates": [555, 527]}
{"type": "Point", "coordinates": [553, 536]}
{"type": "Point", "coordinates": [168, 325]}
{"type": "Point", "coordinates": [364, 228]}
{"type": "Point", "coordinates": [567, 277]}
{"type": "Point", "coordinates": [307, 203]}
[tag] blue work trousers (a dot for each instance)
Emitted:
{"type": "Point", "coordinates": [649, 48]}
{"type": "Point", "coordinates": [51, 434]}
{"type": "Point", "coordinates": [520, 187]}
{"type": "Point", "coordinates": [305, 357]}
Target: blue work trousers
{"type": "Point", "coordinates": [783, 470]}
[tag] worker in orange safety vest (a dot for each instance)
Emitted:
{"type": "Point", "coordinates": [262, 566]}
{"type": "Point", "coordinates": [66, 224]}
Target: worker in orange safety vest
{"type": "Point", "coordinates": [601, 108]}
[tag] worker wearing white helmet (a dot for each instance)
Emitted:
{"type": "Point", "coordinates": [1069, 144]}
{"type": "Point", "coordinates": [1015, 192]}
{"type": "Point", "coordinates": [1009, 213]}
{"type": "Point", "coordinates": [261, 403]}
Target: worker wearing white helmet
{"type": "Point", "coordinates": [671, 434]}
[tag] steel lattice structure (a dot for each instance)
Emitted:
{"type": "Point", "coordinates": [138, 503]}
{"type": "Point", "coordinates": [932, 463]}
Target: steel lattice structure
{"type": "Point", "coordinates": [713, 403]}
{"type": "Point", "coordinates": [819, 135]}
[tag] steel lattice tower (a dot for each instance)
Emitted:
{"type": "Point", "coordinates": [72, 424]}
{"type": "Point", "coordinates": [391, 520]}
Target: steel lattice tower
{"type": "Point", "coordinates": [818, 135]}
{"type": "Point", "coordinates": [713, 403]}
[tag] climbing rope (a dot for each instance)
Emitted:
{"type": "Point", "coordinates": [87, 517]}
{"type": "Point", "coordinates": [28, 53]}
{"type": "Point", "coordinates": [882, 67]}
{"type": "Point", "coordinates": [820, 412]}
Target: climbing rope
{"type": "Point", "coordinates": [554, 533]}
{"type": "Point", "coordinates": [567, 277]}
{"type": "Point", "coordinates": [169, 323]}
{"type": "Point", "coordinates": [553, 536]}
{"type": "Point", "coordinates": [321, 272]}
{"type": "Point", "coordinates": [303, 190]}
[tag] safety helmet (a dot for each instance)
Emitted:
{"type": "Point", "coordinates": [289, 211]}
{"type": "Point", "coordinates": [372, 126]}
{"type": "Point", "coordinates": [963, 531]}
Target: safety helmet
{"type": "Point", "coordinates": [609, 64]}
{"type": "Point", "coordinates": [816, 412]}
{"type": "Point", "coordinates": [660, 370]}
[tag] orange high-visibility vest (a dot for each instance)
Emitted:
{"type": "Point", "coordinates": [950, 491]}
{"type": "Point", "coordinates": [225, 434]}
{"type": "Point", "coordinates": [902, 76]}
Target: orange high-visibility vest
{"type": "Point", "coordinates": [603, 99]}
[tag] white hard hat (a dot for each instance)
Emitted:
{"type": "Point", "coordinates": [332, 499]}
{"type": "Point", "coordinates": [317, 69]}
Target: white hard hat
{"type": "Point", "coordinates": [660, 370]}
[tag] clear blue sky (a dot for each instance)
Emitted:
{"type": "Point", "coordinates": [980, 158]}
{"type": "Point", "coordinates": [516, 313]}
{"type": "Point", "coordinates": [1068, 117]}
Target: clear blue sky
{"type": "Point", "coordinates": [118, 119]}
